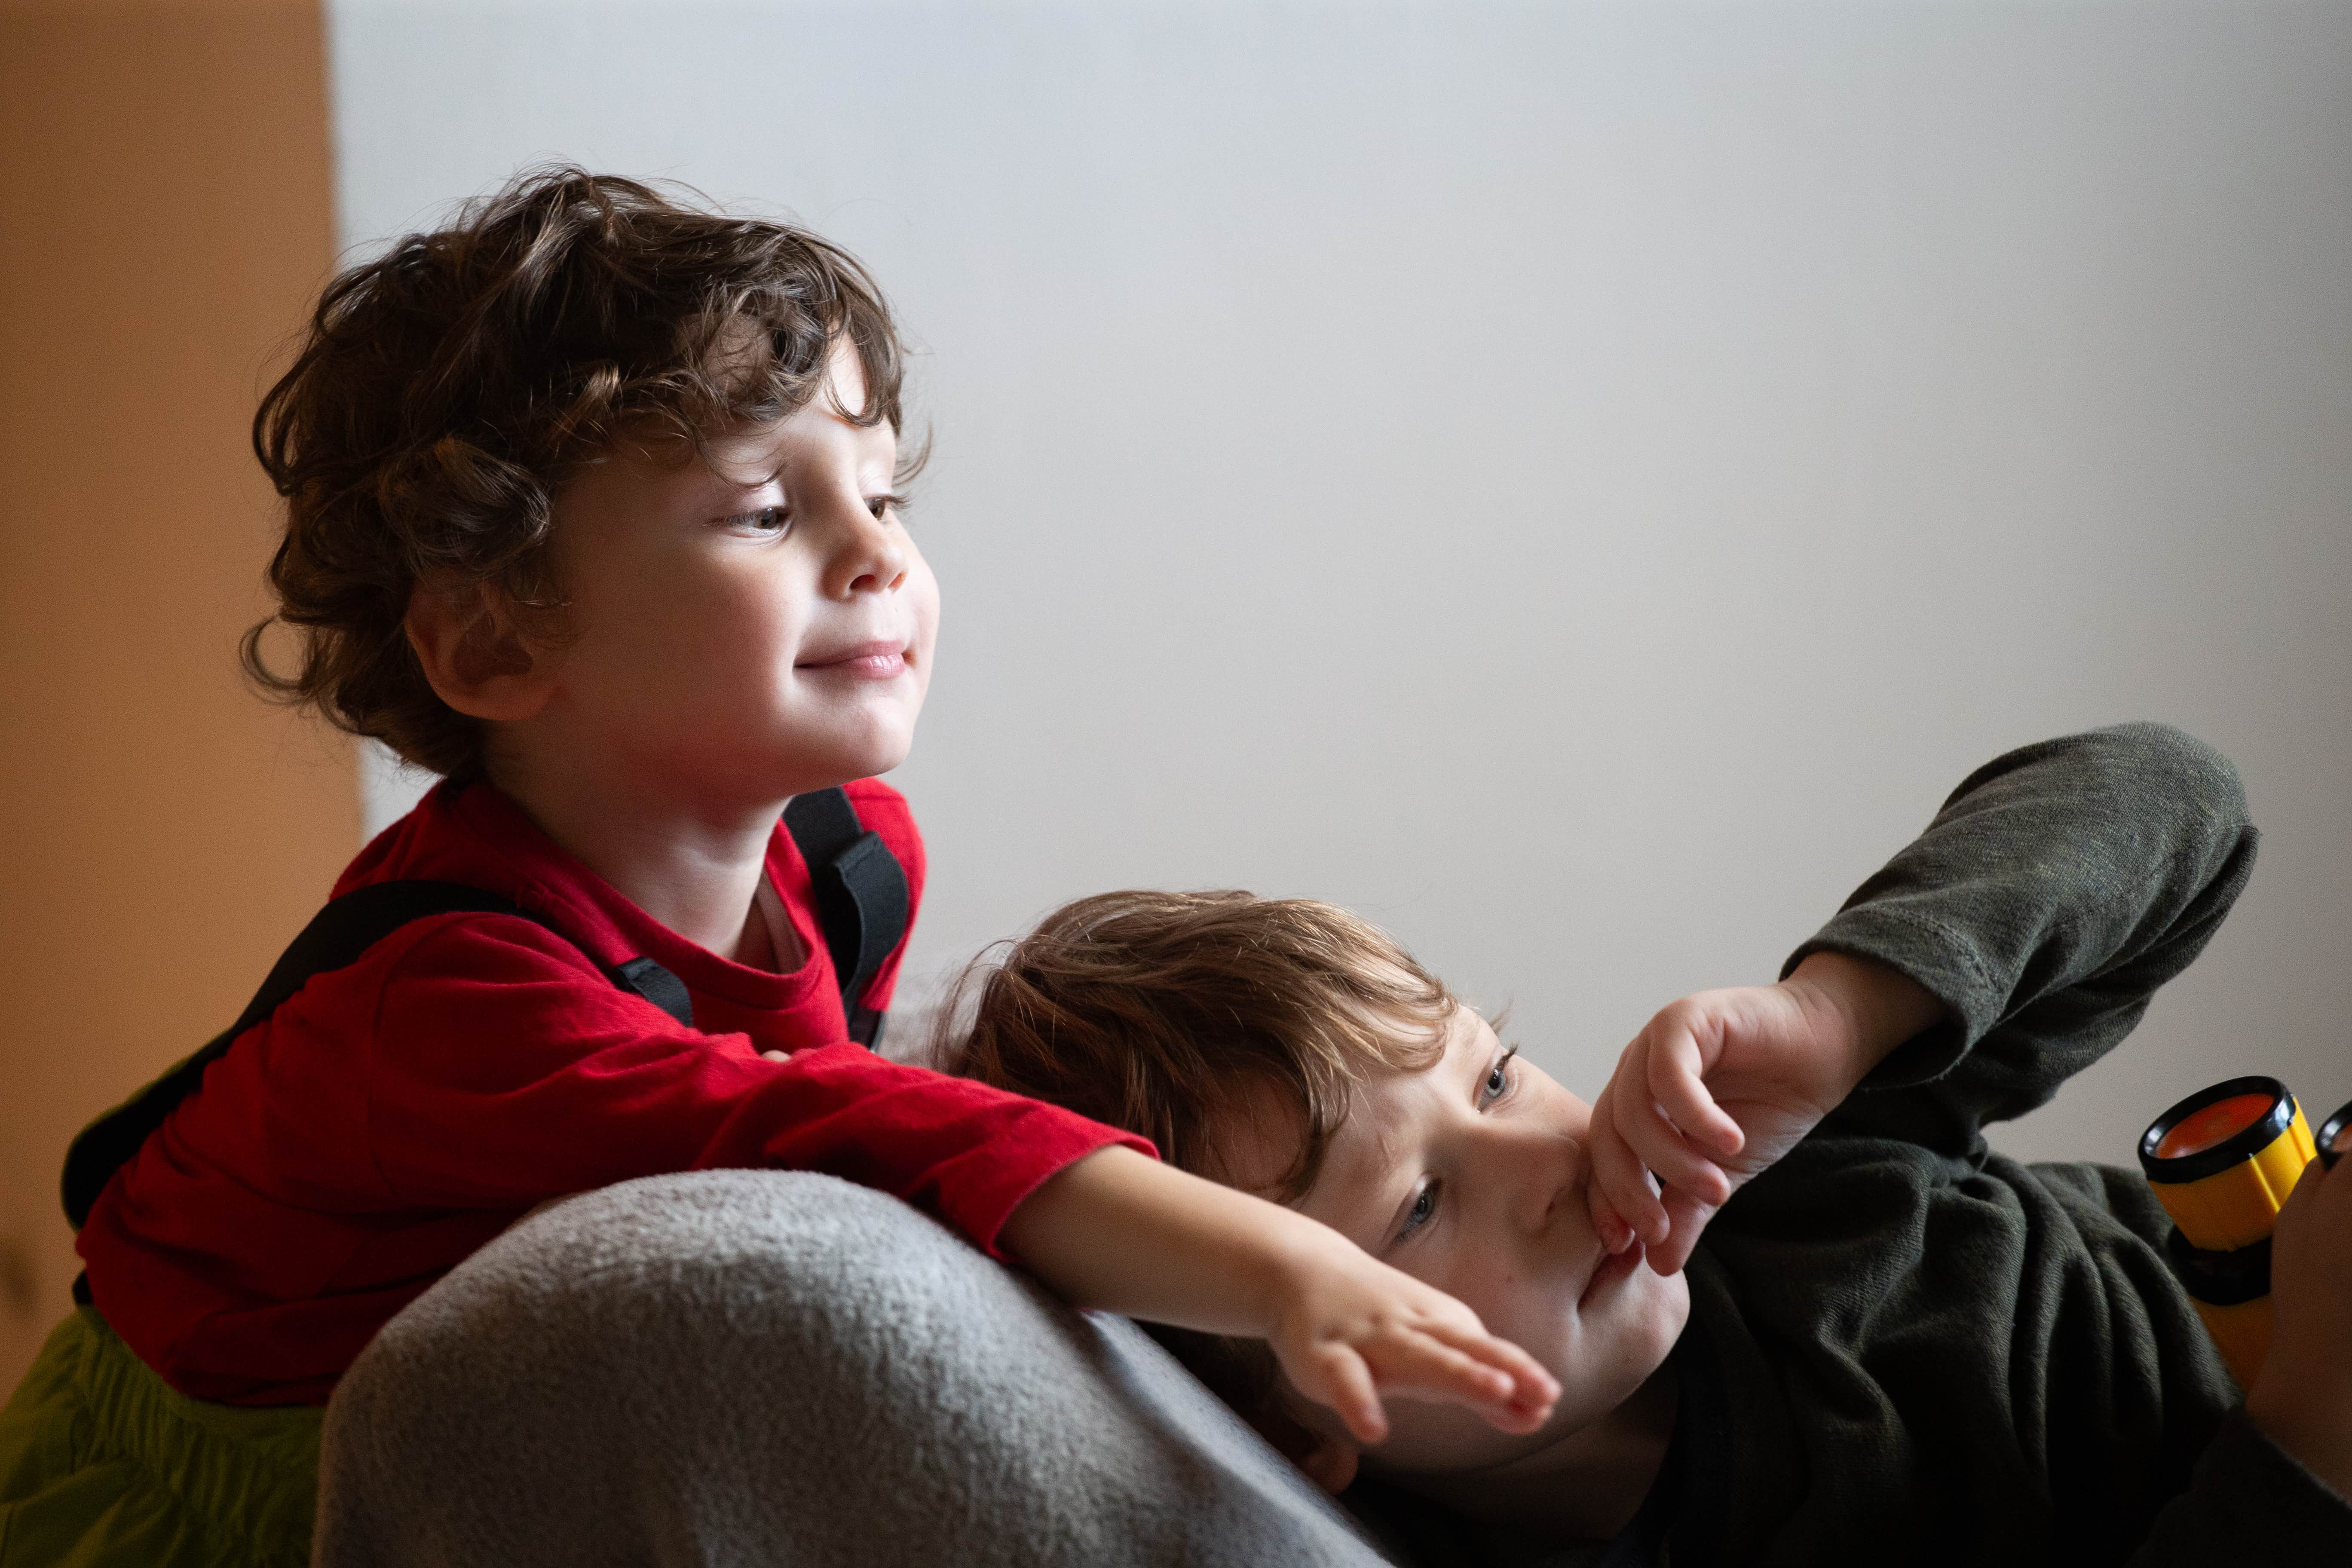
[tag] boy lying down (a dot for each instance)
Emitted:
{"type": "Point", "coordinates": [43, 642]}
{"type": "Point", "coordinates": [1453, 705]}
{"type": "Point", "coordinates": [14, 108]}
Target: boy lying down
{"type": "Point", "coordinates": [1839, 1328]}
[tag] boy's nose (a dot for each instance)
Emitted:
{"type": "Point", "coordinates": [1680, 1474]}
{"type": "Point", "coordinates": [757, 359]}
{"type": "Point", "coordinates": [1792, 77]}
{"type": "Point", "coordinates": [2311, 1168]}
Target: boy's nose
{"type": "Point", "coordinates": [1545, 1170]}
{"type": "Point", "coordinates": [871, 558]}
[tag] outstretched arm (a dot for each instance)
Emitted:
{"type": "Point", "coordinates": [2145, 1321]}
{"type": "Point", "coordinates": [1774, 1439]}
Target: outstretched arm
{"type": "Point", "coordinates": [1119, 1232]}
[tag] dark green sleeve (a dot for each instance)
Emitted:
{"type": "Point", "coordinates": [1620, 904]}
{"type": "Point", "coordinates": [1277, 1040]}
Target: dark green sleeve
{"type": "Point", "coordinates": [2055, 890]}
{"type": "Point", "coordinates": [2249, 1503]}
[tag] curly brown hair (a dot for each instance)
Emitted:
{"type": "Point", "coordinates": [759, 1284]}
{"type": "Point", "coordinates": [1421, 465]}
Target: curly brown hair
{"type": "Point", "coordinates": [1163, 1013]}
{"type": "Point", "coordinates": [448, 389]}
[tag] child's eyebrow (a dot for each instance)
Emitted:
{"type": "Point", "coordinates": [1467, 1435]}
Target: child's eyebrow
{"type": "Point", "coordinates": [747, 482]}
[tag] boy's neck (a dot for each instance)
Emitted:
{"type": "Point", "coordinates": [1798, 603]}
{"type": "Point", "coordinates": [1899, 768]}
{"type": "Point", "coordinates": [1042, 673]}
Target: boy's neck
{"type": "Point", "coordinates": [696, 869]}
{"type": "Point", "coordinates": [1587, 1484]}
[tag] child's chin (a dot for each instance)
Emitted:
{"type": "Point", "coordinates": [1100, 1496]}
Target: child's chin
{"type": "Point", "coordinates": [1436, 1441]}
{"type": "Point", "coordinates": [861, 752]}
{"type": "Point", "coordinates": [882, 757]}
{"type": "Point", "coordinates": [1650, 1319]}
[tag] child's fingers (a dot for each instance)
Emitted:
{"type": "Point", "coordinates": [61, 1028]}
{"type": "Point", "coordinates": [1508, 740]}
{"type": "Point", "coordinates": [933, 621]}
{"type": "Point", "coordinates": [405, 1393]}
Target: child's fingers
{"type": "Point", "coordinates": [1348, 1389]}
{"type": "Point", "coordinates": [1667, 1054]}
{"type": "Point", "coordinates": [1615, 1234]}
{"type": "Point", "coordinates": [1686, 1217]}
{"type": "Point", "coordinates": [1426, 1365]}
{"type": "Point", "coordinates": [1422, 1366]}
{"type": "Point", "coordinates": [1618, 1174]}
{"type": "Point", "coordinates": [1664, 1148]}
{"type": "Point", "coordinates": [1677, 1075]}
{"type": "Point", "coordinates": [1645, 1141]}
{"type": "Point", "coordinates": [1528, 1381]}
{"type": "Point", "coordinates": [1618, 1170]}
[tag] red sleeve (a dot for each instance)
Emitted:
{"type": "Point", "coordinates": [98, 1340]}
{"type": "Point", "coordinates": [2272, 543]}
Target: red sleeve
{"type": "Point", "coordinates": [504, 1069]}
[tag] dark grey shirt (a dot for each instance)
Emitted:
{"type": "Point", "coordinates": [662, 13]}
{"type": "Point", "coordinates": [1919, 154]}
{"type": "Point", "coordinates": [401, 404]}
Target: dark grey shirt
{"type": "Point", "coordinates": [1906, 1348]}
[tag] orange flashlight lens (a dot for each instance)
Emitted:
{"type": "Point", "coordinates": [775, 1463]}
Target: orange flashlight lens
{"type": "Point", "coordinates": [2216, 1123]}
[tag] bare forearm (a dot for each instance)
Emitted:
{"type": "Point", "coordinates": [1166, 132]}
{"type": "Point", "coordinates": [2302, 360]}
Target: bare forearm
{"type": "Point", "coordinates": [1879, 1007]}
{"type": "Point", "coordinates": [1119, 1232]}
{"type": "Point", "coordinates": [1122, 1233]}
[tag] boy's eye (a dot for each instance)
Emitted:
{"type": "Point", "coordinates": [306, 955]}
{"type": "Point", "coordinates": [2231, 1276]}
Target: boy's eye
{"type": "Point", "coordinates": [1424, 1208]}
{"type": "Point", "coordinates": [882, 506]}
{"type": "Point", "coordinates": [1499, 1078]}
{"type": "Point", "coordinates": [766, 520]}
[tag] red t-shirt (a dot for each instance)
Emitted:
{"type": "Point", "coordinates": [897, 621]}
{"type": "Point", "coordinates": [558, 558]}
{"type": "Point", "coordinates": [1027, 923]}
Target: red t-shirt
{"type": "Point", "coordinates": [394, 1116]}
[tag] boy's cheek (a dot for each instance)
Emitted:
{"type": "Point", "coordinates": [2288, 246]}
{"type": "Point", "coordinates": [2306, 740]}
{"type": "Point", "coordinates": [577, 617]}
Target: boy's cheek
{"type": "Point", "coordinates": [1532, 1308]}
{"type": "Point", "coordinates": [926, 591]}
{"type": "Point", "coordinates": [1602, 1355]}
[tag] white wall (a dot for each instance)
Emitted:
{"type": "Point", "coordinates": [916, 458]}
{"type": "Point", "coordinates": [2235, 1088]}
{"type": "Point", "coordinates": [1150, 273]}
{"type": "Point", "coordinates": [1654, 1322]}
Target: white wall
{"type": "Point", "coordinates": [1577, 482]}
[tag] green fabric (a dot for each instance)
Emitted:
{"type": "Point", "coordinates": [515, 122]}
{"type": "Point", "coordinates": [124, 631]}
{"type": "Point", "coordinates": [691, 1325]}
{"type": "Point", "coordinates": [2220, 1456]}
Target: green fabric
{"type": "Point", "coordinates": [103, 1464]}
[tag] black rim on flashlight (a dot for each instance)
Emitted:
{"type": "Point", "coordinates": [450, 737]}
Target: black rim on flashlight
{"type": "Point", "coordinates": [2243, 1144]}
{"type": "Point", "coordinates": [2335, 1131]}
{"type": "Point", "coordinates": [2219, 1278]}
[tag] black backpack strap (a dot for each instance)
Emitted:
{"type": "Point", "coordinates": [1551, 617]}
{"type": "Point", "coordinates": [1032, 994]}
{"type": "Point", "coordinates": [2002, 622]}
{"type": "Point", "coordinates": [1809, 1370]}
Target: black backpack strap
{"type": "Point", "coordinates": [337, 937]}
{"type": "Point", "coordinates": [656, 985]}
{"type": "Point", "coordinates": [861, 897]}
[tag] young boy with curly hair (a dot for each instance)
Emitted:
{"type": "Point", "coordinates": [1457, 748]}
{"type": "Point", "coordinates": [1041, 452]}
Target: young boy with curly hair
{"type": "Point", "coordinates": [591, 509]}
{"type": "Point", "coordinates": [1861, 1336]}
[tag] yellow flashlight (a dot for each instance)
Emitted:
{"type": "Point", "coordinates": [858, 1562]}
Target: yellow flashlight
{"type": "Point", "coordinates": [2221, 1163]}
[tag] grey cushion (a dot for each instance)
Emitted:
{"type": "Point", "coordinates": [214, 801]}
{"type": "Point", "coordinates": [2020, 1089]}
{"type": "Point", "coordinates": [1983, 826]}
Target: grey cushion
{"type": "Point", "coordinates": [778, 1368]}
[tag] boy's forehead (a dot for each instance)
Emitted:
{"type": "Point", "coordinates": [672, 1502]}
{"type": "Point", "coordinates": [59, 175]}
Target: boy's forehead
{"type": "Point", "coordinates": [730, 451]}
{"type": "Point", "coordinates": [1390, 1105]}
{"type": "Point", "coordinates": [844, 374]}
{"type": "Point", "coordinates": [754, 453]}
{"type": "Point", "coordinates": [1255, 1138]}
{"type": "Point", "coordinates": [1258, 1137]}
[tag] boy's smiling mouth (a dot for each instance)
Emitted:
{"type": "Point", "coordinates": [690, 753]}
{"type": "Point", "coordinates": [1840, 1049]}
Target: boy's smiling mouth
{"type": "Point", "coordinates": [877, 660]}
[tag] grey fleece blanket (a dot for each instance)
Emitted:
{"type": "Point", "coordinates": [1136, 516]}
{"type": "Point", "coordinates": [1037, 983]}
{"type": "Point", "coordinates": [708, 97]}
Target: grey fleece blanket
{"type": "Point", "coordinates": [778, 1368]}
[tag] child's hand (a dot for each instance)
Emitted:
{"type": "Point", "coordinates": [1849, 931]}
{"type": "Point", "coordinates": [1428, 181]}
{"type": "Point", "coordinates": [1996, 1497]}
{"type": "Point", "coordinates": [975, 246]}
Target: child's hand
{"type": "Point", "coordinates": [2302, 1398]}
{"type": "Point", "coordinates": [1349, 1329]}
{"type": "Point", "coordinates": [1118, 1231]}
{"type": "Point", "coordinates": [1719, 1085]}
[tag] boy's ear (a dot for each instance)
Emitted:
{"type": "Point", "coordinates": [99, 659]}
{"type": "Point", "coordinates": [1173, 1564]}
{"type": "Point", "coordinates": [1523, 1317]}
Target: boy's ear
{"type": "Point", "coordinates": [472, 653]}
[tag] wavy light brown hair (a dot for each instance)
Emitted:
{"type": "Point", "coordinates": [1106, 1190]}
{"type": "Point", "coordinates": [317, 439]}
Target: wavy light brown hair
{"type": "Point", "coordinates": [445, 392]}
{"type": "Point", "coordinates": [1167, 1013]}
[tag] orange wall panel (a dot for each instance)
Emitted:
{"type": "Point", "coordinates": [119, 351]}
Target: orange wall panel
{"type": "Point", "coordinates": [162, 832]}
